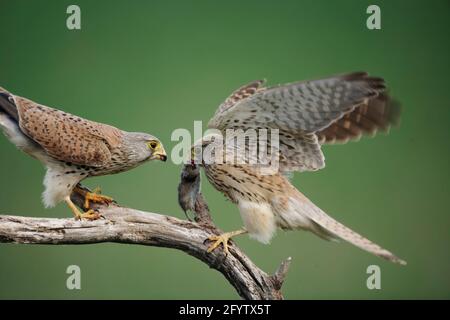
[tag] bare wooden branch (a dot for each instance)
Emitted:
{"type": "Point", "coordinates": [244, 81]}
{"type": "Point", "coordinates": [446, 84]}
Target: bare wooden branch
{"type": "Point", "coordinates": [130, 226]}
{"type": "Point", "coordinates": [280, 274]}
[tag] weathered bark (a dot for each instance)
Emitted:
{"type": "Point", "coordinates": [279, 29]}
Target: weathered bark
{"type": "Point", "coordinates": [130, 226]}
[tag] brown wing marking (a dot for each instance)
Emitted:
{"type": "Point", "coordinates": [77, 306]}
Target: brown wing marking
{"type": "Point", "coordinates": [67, 137]}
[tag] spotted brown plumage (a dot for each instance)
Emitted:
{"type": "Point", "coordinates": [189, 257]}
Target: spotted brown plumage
{"type": "Point", "coordinates": [67, 137]}
{"type": "Point", "coordinates": [72, 148]}
{"type": "Point", "coordinates": [307, 115]}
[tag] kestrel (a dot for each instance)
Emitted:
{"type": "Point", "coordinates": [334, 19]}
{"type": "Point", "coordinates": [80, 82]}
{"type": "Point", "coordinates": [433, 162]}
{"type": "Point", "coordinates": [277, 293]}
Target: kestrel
{"type": "Point", "coordinates": [72, 148]}
{"type": "Point", "coordinates": [307, 114]}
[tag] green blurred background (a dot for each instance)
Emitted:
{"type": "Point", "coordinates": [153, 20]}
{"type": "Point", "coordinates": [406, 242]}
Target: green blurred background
{"type": "Point", "coordinates": [159, 65]}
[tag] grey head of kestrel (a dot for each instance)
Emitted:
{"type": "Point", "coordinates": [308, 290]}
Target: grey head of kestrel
{"type": "Point", "coordinates": [306, 115]}
{"type": "Point", "coordinates": [72, 148]}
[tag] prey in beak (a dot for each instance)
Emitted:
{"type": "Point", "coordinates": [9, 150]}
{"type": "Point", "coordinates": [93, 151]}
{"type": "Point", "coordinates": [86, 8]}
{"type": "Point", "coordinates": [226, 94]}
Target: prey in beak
{"type": "Point", "coordinates": [159, 153]}
{"type": "Point", "coordinates": [162, 157]}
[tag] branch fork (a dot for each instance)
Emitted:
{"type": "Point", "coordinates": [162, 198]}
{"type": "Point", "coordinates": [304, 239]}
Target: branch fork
{"type": "Point", "coordinates": [130, 226]}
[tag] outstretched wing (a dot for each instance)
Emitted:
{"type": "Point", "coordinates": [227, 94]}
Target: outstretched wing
{"type": "Point", "coordinates": [67, 137]}
{"type": "Point", "coordinates": [378, 114]}
{"type": "Point", "coordinates": [300, 111]}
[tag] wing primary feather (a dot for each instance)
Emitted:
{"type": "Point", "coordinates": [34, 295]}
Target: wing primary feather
{"type": "Point", "coordinates": [377, 115]}
{"type": "Point", "coordinates": [335, 110]}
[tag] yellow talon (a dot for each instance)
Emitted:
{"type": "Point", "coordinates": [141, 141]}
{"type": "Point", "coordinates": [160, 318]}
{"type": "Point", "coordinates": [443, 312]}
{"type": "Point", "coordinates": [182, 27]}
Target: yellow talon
{"type": "Point", "coordinates": [97, 198]}
{"type": "Point", "coordinates": [223, 239]}
{"type": "Point", "coordinates": [217, 241]}
{"type": "Point", "coordinates": [94, 196]}
{"type": "Point", "coordinates": [88, 215]}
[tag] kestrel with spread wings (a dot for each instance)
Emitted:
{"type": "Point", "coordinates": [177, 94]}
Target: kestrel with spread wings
{"type": "Point", "coordinates": [72, 148]}
{"type": "Point", "coordinates": [307, 115]}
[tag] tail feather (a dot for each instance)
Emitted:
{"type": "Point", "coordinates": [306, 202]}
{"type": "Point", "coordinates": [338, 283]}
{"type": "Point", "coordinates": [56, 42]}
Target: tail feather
{"type": "Point", "coordinates": [7, 104]}
{"type": "Point", "coordinates": [333, 227]}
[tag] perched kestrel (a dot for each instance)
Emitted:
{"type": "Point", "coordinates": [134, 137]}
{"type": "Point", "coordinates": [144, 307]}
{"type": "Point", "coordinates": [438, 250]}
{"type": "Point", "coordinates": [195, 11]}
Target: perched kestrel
{"type": "Point", "coordinates": [73, 148]}
{"type": "Point", "coordinates": [307, 115]}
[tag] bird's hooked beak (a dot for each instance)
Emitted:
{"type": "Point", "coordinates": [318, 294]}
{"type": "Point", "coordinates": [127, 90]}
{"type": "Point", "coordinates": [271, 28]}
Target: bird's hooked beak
{"type": "Point", "coordinates": [159, 153]}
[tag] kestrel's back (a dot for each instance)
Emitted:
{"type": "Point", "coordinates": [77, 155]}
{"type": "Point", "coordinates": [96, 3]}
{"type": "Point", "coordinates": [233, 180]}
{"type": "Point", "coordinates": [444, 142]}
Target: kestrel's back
{"type": "Point", "coordinates": [67, 137]}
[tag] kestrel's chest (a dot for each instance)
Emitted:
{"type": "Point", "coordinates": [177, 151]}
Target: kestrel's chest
{"type": "Point", "coordinates": [110, 168]}
{"type": "Point", "coordinates": [238, 182]}
{"type": "Point", "coordinates": [118, 163]}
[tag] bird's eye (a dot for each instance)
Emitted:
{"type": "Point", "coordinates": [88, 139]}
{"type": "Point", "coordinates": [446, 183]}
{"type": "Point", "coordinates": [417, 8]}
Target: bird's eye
{"type": "Point", "coordinates": [153, 144]}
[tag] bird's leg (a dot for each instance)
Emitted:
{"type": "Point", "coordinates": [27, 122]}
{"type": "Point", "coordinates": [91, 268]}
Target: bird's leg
{"type": "Point", "coordinates": [89, 215]}
{"type": "Point", "coordinates": [223, 239]}
{"type": "Point", "coordinates": [94, 196]}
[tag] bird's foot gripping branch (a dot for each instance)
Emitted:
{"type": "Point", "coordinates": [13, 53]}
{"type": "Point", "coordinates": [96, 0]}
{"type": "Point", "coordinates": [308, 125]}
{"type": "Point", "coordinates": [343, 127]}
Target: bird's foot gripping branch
{"type": "Point", "coordinates": [130, 226]}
